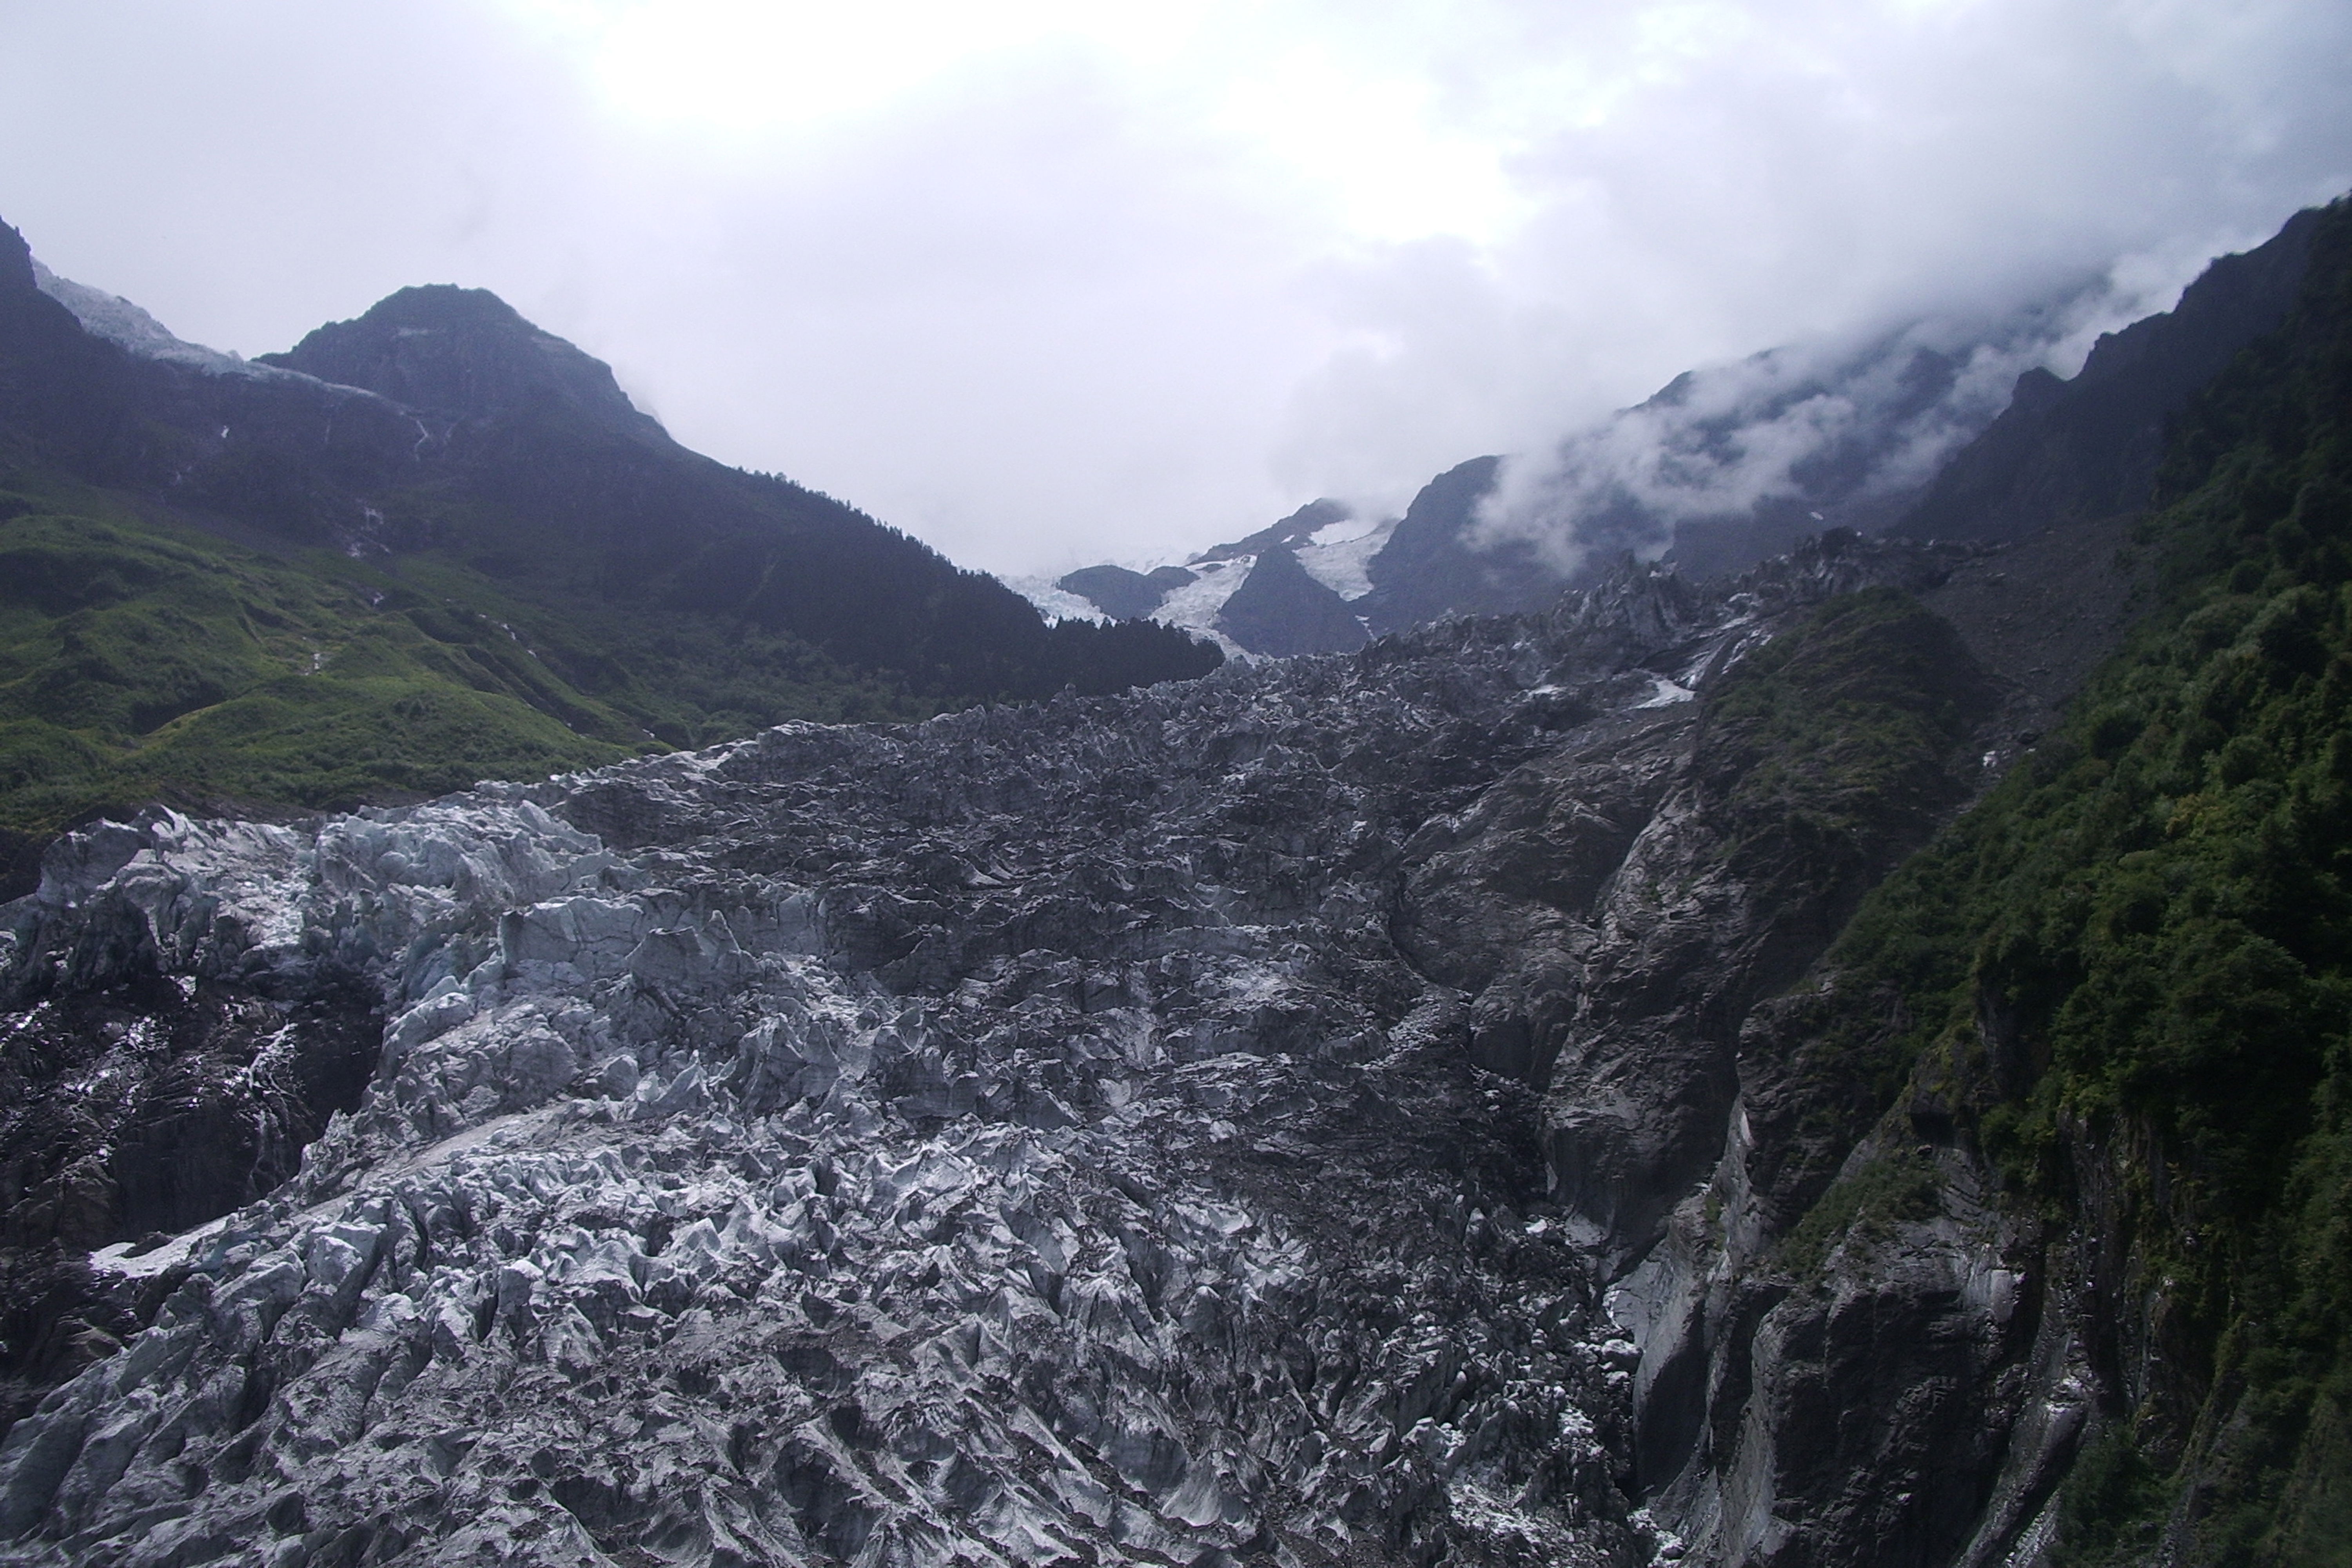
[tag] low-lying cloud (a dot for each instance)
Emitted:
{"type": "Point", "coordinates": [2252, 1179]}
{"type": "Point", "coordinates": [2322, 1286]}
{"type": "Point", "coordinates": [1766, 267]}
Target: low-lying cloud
{"type": "Point", "coordinates": [1850, 433]}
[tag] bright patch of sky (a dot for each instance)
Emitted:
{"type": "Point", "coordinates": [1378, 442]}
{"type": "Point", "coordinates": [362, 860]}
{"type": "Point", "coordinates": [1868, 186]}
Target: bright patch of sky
{"type": "Point", "coordinates": [1046, 282]}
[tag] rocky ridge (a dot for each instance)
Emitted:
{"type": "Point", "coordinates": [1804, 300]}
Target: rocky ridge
{"type": "Point", "coordinates": [1197, 1125]}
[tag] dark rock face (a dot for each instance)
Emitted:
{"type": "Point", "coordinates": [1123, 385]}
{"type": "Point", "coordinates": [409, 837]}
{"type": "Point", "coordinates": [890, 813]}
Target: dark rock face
{"type": "Point", "coordinates": [135, 1105]}
{"type": "Point", "coordinates": [1118, 593]}
{"type": "Point", "coordinates": [1435, 565]}
{"type": "Point", "coordinates": [1292, 532]}
{"type": "Point", "coordinates": [1626, 906]}
{"type": "Point", "coordinates": [2088, 447]}
{"type": "Point", "coordinates": [1916, 1395]}
{"type": "Point", "coordinates": [1281, 611]}
{"type": "Point", "coordinates": [1058, 1128]}
{"type": "Point", "coordinates": [195, 1104]}
{"type": "Point", "coordinates": [56, 383]}
{"type": "Point", "coordinates": [465, 353]}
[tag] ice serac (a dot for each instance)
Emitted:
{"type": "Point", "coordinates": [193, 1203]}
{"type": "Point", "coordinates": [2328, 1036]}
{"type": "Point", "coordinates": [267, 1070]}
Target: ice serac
{"type": "Point", "coordinates": [1114, 1127]}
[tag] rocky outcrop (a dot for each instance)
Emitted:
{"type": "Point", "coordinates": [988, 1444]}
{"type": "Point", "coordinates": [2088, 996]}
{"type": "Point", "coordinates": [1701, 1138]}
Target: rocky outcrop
{"type": "Point", "coordinates": [1436, 563]}
{"type": "Point", "coordinates": [1282, 612]}
{"type": "Point", "coordinates": [1620, 908]}
{"type": "Point", "coordinates": [1120, 594]}
{"type": "Point", "coordinates": [1895, 1380]}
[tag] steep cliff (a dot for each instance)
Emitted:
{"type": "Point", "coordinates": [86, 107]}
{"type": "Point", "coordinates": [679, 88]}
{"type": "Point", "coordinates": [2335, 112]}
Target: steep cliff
{"type": "Point", "coordinates": [2088, 447]}
{"type": "Point", "coordinates": [2027, 1242]}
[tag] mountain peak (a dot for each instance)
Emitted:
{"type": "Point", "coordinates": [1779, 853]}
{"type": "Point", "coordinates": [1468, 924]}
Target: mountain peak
{"type": "Point", "coordinates": [15, 262]}
{"type": "Point", "coordinates": [465, 354]}
{"type": "Point", "coordinates": [445, 306]}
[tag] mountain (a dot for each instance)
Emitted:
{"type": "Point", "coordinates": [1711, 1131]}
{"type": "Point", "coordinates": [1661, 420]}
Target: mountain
{"type": "Point", "coordinates": [1122, 594]}
{"type": "Point", "coordinates": [1729, 464]}
{"type": "Point", "coordinates": [1429, 569]}
{"type": "Point", "coordinates": [2089, 446]}
{"type": "Point", "coordinates": [423, 547]}
{"type": "Point", "coordinates": [2052, 1144]}
{"type": "Point", "coordinates": [1314, 567]}
{"type": "Point", "coordinates": [1839, 1066]}
{"type": "Point", "coordinates": [1280, 609]}
{"type": "Point", "coordinates": [460, 354]}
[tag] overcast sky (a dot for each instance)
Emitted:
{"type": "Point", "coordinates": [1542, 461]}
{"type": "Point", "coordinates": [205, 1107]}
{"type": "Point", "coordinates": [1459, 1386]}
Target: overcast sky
{"type": "Point", "coordinates": [1046, 282]}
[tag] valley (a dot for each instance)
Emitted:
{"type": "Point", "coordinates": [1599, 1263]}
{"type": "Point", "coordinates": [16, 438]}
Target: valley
{"type": "Point", "coordinates": [1839, 1063]}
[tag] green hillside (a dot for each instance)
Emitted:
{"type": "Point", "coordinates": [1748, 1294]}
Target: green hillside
{"type": "Point", "coordinates": [142, 659]}
{"type": "Point", "coordinates": [2128, 974]}
{"type": "Point", "coordinates": [263, 590]}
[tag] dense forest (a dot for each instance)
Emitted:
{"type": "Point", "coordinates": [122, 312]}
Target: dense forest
{"type": "Point", "coordinates": [2126, 977]}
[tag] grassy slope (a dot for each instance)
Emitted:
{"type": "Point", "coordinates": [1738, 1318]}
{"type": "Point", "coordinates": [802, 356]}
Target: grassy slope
{"type": "Point", "coordinates": [139, 659]}
{"type": "Point", "coordinates": [2131, 968]}
{"type": "Point", "coordinates": [532, 589]}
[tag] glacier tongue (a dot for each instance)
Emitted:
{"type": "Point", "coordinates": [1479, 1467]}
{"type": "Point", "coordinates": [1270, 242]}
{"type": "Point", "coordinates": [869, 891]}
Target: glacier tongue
{"type": "Point", "coordinates": [1012, 1138]}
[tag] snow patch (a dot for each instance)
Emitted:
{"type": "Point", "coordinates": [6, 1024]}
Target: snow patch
{"type": "Point", "coordinates": [133, 331]}
{"type": "Point", "coordinates": [1344, 564]}
{"type": "Point", "coordinates": [120, 1259]}
{"type": "Point", "coordinates": [1194, 607]}
{"type": "Point", "coordinates": [1341, 532]}
{"type": "Point", "coordinates": [1664, 693]}
{"type": "Point", "coordinates": [1054, 604]}
{"type": "Point", "coordinates": [1339, 555]}
{"type": "Point", "coordinates": [125, 325]}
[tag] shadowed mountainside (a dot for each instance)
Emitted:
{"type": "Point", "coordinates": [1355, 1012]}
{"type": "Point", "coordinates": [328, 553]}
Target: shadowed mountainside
{"type": "Point", "coordinates": [2089, 446]}
{"type": "Point", "coordinates": [1919, 432]}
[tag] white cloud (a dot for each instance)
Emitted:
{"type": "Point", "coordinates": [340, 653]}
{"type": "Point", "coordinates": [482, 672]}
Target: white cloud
{"type": "Point", "coordinates": [1045, 281]}
{"type": "Point", "coordinates": [1856, 426]}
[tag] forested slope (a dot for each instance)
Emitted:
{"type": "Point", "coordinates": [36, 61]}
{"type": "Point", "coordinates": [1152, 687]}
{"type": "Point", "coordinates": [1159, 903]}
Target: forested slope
{"type": "Point", "coordinates": [2125, 980]}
